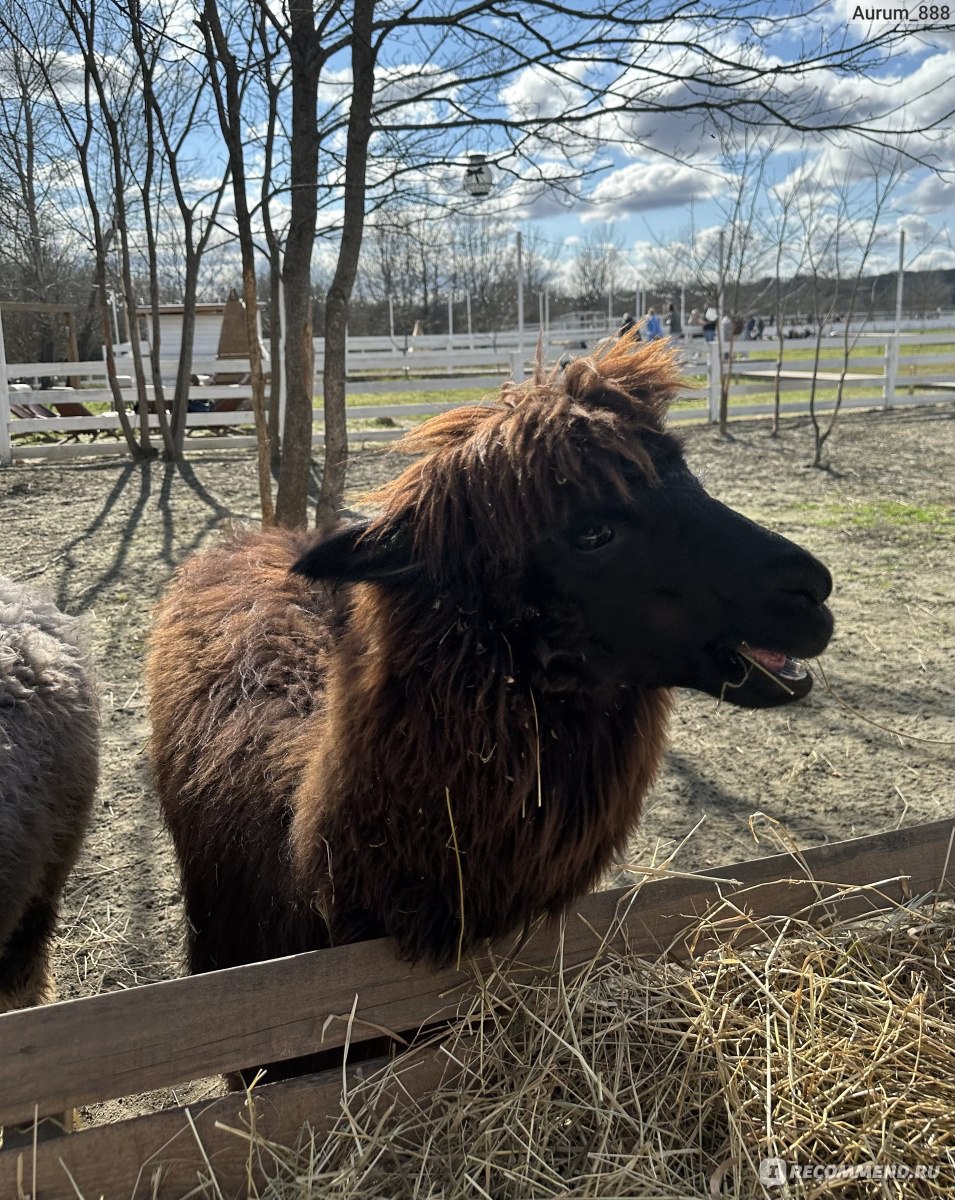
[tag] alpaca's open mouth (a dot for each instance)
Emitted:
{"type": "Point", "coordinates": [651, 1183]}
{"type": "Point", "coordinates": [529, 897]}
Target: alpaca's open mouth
{"type": "Point", "coordinates": [773, 662]}
{"type": "Point", "coordinates": [754, 677]}
{"type": "Point", "coordinates": [749, 676]}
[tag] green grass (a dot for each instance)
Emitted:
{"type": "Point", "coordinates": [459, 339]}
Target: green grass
{"type": "Point", "coordinates": [787, 396]}
{"type": "Point", "coordinates": [689, 403]}
{"type": "Point", "coordinates": [383, 399]}
{"type": "Point", "coordinates": [878, 514]}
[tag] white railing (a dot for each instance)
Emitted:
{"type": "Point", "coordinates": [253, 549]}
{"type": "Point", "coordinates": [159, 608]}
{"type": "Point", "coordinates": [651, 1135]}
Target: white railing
{"type": "Point", "coordinates": [883, 372]}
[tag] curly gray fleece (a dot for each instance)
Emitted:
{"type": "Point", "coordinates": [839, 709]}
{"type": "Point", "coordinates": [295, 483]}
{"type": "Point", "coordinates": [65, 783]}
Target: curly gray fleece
{"type": "Point", "coordinates": [49, 750]}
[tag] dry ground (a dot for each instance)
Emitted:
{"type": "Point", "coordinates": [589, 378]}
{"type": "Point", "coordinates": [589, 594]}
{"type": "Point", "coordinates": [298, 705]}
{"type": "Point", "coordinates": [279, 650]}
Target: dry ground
{"type": "Point", "coordinates": [103, 538]}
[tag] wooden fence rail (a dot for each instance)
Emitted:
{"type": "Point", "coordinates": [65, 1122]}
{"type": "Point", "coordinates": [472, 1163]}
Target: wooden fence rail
{"type": "Point", "coordinates": [883, 373]}
{"type": "Point", "coordinates": [121, 1043]}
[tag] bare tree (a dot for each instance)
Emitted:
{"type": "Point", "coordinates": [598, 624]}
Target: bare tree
{"type": "Point", "coordinates": [840, 235]}
{"type": "Point", "coordinates": [741, 249]}
{"type": "Point", "coordinates": [608, 67]}
{"type": "Point", "coordinates": [115, 88]}
{"type": "Point", "coordinates": [33, 263]}
{"type": "Point", "coordinates": [363, 55]}
{"type": "Point", "coordinates": [175, 95]}
{"type": "Point", "coordinates": [81, 122]}
{"type": "Point", "coordinates": [596, 266]}
{"type": "Point", "coordinates": [226, 80]}
{"type": "Point", "coordinates": [274, 77]}
{"type": "Point", "coordinates": [788, 249]}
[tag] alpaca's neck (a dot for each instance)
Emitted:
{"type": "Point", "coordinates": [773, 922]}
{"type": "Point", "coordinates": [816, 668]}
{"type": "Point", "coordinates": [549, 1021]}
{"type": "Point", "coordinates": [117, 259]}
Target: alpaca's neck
{"type": "Point", "coordinates": [426, 747]}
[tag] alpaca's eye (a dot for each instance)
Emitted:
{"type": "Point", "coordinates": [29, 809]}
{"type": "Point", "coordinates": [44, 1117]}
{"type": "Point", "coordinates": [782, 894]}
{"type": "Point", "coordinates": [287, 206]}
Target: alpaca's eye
{"type": "Point", "coordinates": [590, 537]}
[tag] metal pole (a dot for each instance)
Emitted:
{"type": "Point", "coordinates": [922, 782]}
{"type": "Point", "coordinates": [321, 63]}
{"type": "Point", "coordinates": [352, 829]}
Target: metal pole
{"type": "Point", "coordinates": [520, 300]}
{"type": "Point", "coordinates": [391, 317]}
{"type": "Point", "coordinates": [450, 321]}
{"type": "Point", "coordinates": [111, 300]}
{"type": "Point", "coordinates": [283, 383]}
{"type": "Point", "coordinates": [892, 359]}
{"type": "Point", "coordinates": [467, 297]}
{"type": "Point", "coordinates": [6, 445]}
{"type": "Point", "coordinates": [719, 301]}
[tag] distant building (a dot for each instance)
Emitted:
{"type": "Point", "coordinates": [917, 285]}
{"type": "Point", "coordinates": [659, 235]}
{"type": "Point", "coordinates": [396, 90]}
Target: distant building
{"type": "Point", "coordinates": [219, 331]}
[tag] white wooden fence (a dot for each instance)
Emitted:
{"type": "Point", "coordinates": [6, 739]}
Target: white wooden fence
{"type": "Point", "coordinates": [885, 371]}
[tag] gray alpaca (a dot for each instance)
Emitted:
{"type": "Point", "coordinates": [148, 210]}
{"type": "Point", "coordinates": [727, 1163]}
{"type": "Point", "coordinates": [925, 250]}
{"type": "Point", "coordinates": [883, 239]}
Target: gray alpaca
{"type": "Point", "coordinates": [48, 770]}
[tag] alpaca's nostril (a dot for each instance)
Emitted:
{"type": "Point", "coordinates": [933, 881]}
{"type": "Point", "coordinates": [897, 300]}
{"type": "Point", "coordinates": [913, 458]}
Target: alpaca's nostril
{"type": "Point", "coordinates": [803, 580]}
{"type": "Point", "coordinates": [811, 598]}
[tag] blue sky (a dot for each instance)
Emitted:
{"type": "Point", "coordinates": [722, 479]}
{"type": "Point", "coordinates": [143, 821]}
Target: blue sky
{"type": "Point", "coordinates": [663, 176]}
{"type": "Point", "coordinates": [668, 173]}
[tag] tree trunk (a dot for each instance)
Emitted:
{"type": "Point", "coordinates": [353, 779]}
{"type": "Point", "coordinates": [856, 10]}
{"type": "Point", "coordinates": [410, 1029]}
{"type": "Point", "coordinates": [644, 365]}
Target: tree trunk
{"type": "Point", "coordinates": [180, 400]}
{"type": "Point", "coordinates": [726, 367]}
{"type": "Point", "coordinates": [276, 299]}
{"type": "Point", "coordinates": [818, 439]}
{"type": "Point", "coordinates": [304, 53]}
{"type": "Point", "coordinates": [229, 108]}
{"type": "Point", "coordinates": [118, 402]}
{"type": "Point", "coordinates": [120, 222]}
{"type": "Point", "coordinates": [276, 355]}
{"type": "Point", "coordinates": [155, 339]}
{"type": "Point", "coordinates": [339, 294]}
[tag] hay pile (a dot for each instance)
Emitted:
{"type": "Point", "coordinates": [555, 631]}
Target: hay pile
{"type": "Point", "coordinates": [829, 1050]}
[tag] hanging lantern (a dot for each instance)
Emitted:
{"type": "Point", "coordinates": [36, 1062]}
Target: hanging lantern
{"type": "Point", "coordinates": [477, 176]}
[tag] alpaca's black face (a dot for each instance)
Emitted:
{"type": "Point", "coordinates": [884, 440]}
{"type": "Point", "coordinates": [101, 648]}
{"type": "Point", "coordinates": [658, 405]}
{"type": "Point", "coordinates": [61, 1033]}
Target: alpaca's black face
{"type": "Point", "coordinates": [674, 589]}
{"type": "Point", "coordinates": [665, 587]}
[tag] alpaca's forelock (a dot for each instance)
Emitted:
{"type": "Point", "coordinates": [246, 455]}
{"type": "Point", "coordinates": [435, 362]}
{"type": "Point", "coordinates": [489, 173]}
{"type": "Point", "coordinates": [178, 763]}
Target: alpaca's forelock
{"type": "Point", "coordinates": [491, 476]}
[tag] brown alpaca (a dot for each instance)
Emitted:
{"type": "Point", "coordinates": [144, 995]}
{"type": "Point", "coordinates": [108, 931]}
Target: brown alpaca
{"type": "Point", "coordinates": [487, 662]}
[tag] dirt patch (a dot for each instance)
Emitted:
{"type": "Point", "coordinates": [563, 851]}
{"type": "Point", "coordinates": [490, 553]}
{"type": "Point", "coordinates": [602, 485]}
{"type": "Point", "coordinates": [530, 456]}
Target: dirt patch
{"type": "Point", "coordinates": [103, 539]}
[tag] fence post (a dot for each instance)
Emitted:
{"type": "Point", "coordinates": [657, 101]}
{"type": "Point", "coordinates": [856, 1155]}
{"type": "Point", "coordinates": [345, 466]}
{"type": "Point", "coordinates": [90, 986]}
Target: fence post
{"type": "Point", "coordinates": [714, 380]}
{"type": "Point", "coordinates": [517, 365]}
{"type": "Point", "coordinates": [6, 446]}
{"type": "Point", "coordinates": [891, 369]}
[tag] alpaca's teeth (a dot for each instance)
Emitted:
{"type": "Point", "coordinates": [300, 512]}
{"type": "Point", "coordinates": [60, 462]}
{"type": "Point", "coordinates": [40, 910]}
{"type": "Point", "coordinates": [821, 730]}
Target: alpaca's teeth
{"type": "Point", "coordinates": [778, 664]}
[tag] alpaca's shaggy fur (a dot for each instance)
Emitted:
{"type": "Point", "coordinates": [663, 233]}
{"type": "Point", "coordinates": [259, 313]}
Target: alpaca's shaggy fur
{"type": "Point", "coordinates": [48, 773]}
{"type": "Point", "coordinates": [350, 732]}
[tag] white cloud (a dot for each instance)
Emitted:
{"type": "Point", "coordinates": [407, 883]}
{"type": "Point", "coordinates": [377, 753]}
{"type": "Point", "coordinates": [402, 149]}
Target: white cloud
{"type": "Point", "coordinates": [642, 187]}
{"type": "Point", "coordinates": [932, 194]}
{"type": "Point", "coordinates": [538, 92]}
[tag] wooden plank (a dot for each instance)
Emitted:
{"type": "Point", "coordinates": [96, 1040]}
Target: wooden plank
{"type": "Point", "coordinates": [825, 376]}
{"type": "Point", "coordinates": [489, 383]}
{"type": "Point", "coordinates": [93, 367]}
{"type": "Point", "coordinates": [53, 451]}
{"type": "Point", "coordinates": [165, 1154]}
{"type": "Point", "coordinates": [101, 1047]}
{"type": "Point", "coordinates": [31, 307]}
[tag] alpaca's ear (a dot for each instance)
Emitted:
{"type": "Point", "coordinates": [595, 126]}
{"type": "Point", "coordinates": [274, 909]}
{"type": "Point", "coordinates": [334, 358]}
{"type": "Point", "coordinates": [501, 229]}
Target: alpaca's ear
{"type": "Point", "coordinates": [348, 556]}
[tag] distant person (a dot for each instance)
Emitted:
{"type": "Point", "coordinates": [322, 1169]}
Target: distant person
{"type": "Point", "coordinates": [726, 329]}
{"type": "Point", "coordinates": [626, 324]}
{"type": "Point", "coordinates": [709, 325]}
{"type": "Point", "coordinates": [652, 327]}
{"type": "Point", "coordinates": [673, 323]}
